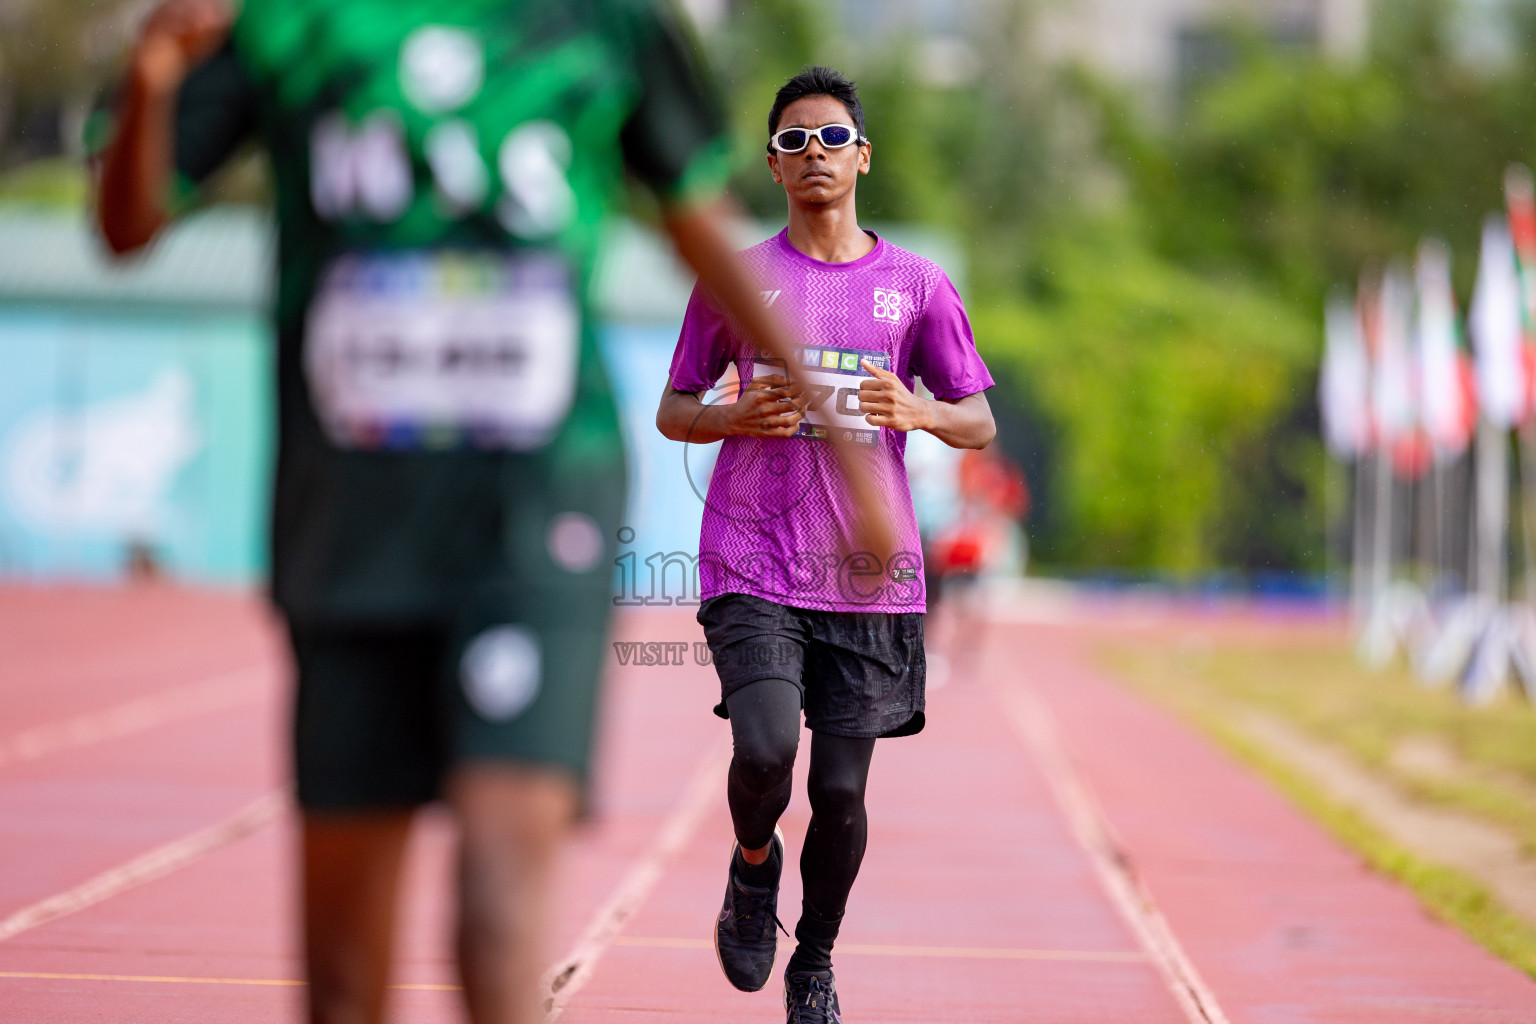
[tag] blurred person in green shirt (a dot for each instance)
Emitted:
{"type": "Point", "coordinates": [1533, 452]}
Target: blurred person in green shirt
{"type": "Point", "coordinates": [449, 462]}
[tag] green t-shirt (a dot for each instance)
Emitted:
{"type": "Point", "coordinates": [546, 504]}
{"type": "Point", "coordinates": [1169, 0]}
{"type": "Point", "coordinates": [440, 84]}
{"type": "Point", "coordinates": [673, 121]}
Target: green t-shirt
{"type": "Point", "coordinates": [443, 172]}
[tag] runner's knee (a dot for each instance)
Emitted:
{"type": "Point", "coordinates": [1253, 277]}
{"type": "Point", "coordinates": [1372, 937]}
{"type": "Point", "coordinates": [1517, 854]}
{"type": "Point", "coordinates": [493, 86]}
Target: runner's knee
{"type": "Point", "coordinates": [836, 796]}
{"type": "Point", "coordinates": [765, 730]}
{"type": "Point", "coordinates": [763, 762]}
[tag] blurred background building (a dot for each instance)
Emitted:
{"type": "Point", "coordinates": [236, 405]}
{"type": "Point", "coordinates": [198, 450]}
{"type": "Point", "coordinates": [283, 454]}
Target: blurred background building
{"type": "Point", "coordinates": [1159, 43]}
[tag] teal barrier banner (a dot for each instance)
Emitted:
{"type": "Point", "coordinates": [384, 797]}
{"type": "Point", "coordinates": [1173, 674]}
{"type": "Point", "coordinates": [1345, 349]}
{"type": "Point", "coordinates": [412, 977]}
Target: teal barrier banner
{"type": "Point", "coordinates": [133, 437]}
{"type": "Point", "coordinates": [148, 436]}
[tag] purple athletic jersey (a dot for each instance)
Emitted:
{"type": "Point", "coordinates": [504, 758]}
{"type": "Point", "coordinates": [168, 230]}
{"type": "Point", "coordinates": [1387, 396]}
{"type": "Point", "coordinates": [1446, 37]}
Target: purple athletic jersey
{"type": "Point", "coordinates": [778, 519]}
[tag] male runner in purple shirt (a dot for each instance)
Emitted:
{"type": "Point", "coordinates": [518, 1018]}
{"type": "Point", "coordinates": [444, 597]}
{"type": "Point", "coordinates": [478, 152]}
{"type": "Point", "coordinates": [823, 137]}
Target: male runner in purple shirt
{"type": "Point", "coordinates": [794, 618]}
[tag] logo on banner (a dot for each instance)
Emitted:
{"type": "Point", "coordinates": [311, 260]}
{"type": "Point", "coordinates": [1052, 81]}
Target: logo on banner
{"type": "Point", "coordinates": [107, 468]}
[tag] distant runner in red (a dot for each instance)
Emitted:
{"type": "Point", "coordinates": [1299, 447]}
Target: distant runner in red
{"type": "Point", "coordinates": [794, 619]}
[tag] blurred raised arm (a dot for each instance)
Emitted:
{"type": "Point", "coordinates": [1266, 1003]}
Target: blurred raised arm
{"type": "Point", "coordinates": [137, 166]}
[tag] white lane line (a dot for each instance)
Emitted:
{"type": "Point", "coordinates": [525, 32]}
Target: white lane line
{"type": "Point", "coordinates": [574, 970]}
{"type": "Point", "coordinates": [1110, 858]}
{"type": "Point", "coordinates": [135, 715]}
{"type": "Point", "coordinates": [156, 863]}
{"type": "Point", "coordinates": [919, 952]}
{"type": "Point", "coordinates": [161, 979]}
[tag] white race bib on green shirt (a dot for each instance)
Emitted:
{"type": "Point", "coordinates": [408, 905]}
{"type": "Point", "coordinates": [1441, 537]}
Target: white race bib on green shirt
{"type": "Point", "coordinates": [434, 350]}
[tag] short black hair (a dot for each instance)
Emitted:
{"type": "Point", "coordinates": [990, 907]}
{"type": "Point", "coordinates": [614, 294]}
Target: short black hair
{"type": "Point", "coordinates": [817, 81]}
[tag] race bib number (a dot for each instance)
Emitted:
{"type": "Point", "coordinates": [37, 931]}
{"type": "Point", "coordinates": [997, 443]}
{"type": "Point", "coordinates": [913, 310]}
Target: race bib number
{"type": "Point", "coordinates": [831, 379]}
{"type": "Point", "coordinates": [436, 350]}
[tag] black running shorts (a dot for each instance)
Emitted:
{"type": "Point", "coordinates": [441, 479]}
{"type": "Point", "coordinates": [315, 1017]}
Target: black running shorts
{"type": "Point", "coordinates": [383, 713]}
{"type": "Point", "coordinates": [860, 674]}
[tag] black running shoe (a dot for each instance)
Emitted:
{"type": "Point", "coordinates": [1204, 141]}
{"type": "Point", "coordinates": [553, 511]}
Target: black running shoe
{"type": "Point", "coordinates": [745, 940]}
{"type": "Point", "coordinates": [810, 997]}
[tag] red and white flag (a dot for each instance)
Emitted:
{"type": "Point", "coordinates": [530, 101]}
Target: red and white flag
{"type": "Point", "coordinates": [1520, 199]}
{"type": "Point", "coordinates": [1498, 338]}
{"type": "Point", "coordinates": [1394, 384]}
{"type": "Point", "coordinates": [1447, 397]}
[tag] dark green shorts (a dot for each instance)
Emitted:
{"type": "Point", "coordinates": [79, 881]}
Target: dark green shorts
{"type": "Point", "coordinates": [383, 713]}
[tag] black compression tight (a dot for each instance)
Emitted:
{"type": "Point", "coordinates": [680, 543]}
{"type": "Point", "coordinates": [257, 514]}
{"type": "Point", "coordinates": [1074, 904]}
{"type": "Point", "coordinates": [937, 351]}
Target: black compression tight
{"type": "Point", "coordinates": [765, 725]}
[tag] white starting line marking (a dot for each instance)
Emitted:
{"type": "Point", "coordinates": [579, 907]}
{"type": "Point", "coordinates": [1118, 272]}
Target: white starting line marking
{"type": "Point", "coordinates": [156, 863]}
{"type": "Point", "coordinates": [562, 981]}
{"type": "Point", "coordinates": [1110, 859]}
{"type": "Point", "coordinates": [135, 715]}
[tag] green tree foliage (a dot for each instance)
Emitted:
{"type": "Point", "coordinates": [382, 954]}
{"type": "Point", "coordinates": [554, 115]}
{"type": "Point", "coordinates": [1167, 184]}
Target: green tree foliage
{"type": "Point", "coordinates": [1148, 396]}
{"type": "Point", "coordinates": [1151, 288]}
{"type": "Point", "coordinates": [1286, 176]}
{"type": "Point", "coordinates": [1165, 388]}
{"type": "Point", "coordinates": [1299, 170]}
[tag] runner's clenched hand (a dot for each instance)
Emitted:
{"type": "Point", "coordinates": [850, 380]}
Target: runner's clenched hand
{"type": "Point", "coordinates": [886, 401]}
{"type": "Point", "coordinates": [767, 407]}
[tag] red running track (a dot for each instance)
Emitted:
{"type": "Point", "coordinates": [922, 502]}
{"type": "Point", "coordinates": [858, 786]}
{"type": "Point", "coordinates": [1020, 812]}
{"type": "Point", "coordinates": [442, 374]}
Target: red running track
{"type": "Point", "coordinates": [1051, 849]}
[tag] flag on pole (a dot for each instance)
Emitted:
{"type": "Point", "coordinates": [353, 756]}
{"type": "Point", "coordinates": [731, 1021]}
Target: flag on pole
{"type": "Point", "coordinates": [1498, 342]}
{"type": "Point", "coordinates": [1520, 199]}
{"type": "Point", "coordinates": [1447, 397]}
{"type": "Point", "coordinates": [1394, 387]}
{"type": "Point", "coordinates": [1343, 388]}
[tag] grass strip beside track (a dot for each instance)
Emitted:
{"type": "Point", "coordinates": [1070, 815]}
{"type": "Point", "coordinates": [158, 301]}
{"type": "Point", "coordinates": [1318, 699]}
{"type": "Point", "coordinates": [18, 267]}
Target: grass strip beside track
{"type": "Point", "coordinates": [1424, 740]}
{"type": "Point", "coordinates": [1449, 894]}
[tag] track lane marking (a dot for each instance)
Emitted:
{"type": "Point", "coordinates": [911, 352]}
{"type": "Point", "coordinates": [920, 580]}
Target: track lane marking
{"type": "Point", "coordinates": [642, 942]}
{"type": "Point", "coordinates": [569, 974]}
{"type": "Point", "coordinates": [157, 863]}
{"type": "Point", "coordinates": [1109, 856]}
{"type": "Point", "coordinates": [916, 952]}
{"type": "Point", "coordinates": [174, 980]}
{"type": "Point", "coordinates": [156, 978]}
{"type": "Point", "coordinates": [136, 715]}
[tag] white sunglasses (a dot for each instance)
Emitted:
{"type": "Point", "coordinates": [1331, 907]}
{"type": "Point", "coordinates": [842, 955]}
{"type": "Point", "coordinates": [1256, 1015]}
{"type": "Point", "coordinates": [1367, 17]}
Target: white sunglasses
{"type": "Point", "coordinates": [831, 136]}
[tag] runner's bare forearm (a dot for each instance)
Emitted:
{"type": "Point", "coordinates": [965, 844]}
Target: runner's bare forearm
{"type": "Point", "coordinates": [136, 169]}
{"type": "Point", "coordinates": [683, 417]}
{"type": "Point", "coordinates": [963, 423]}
